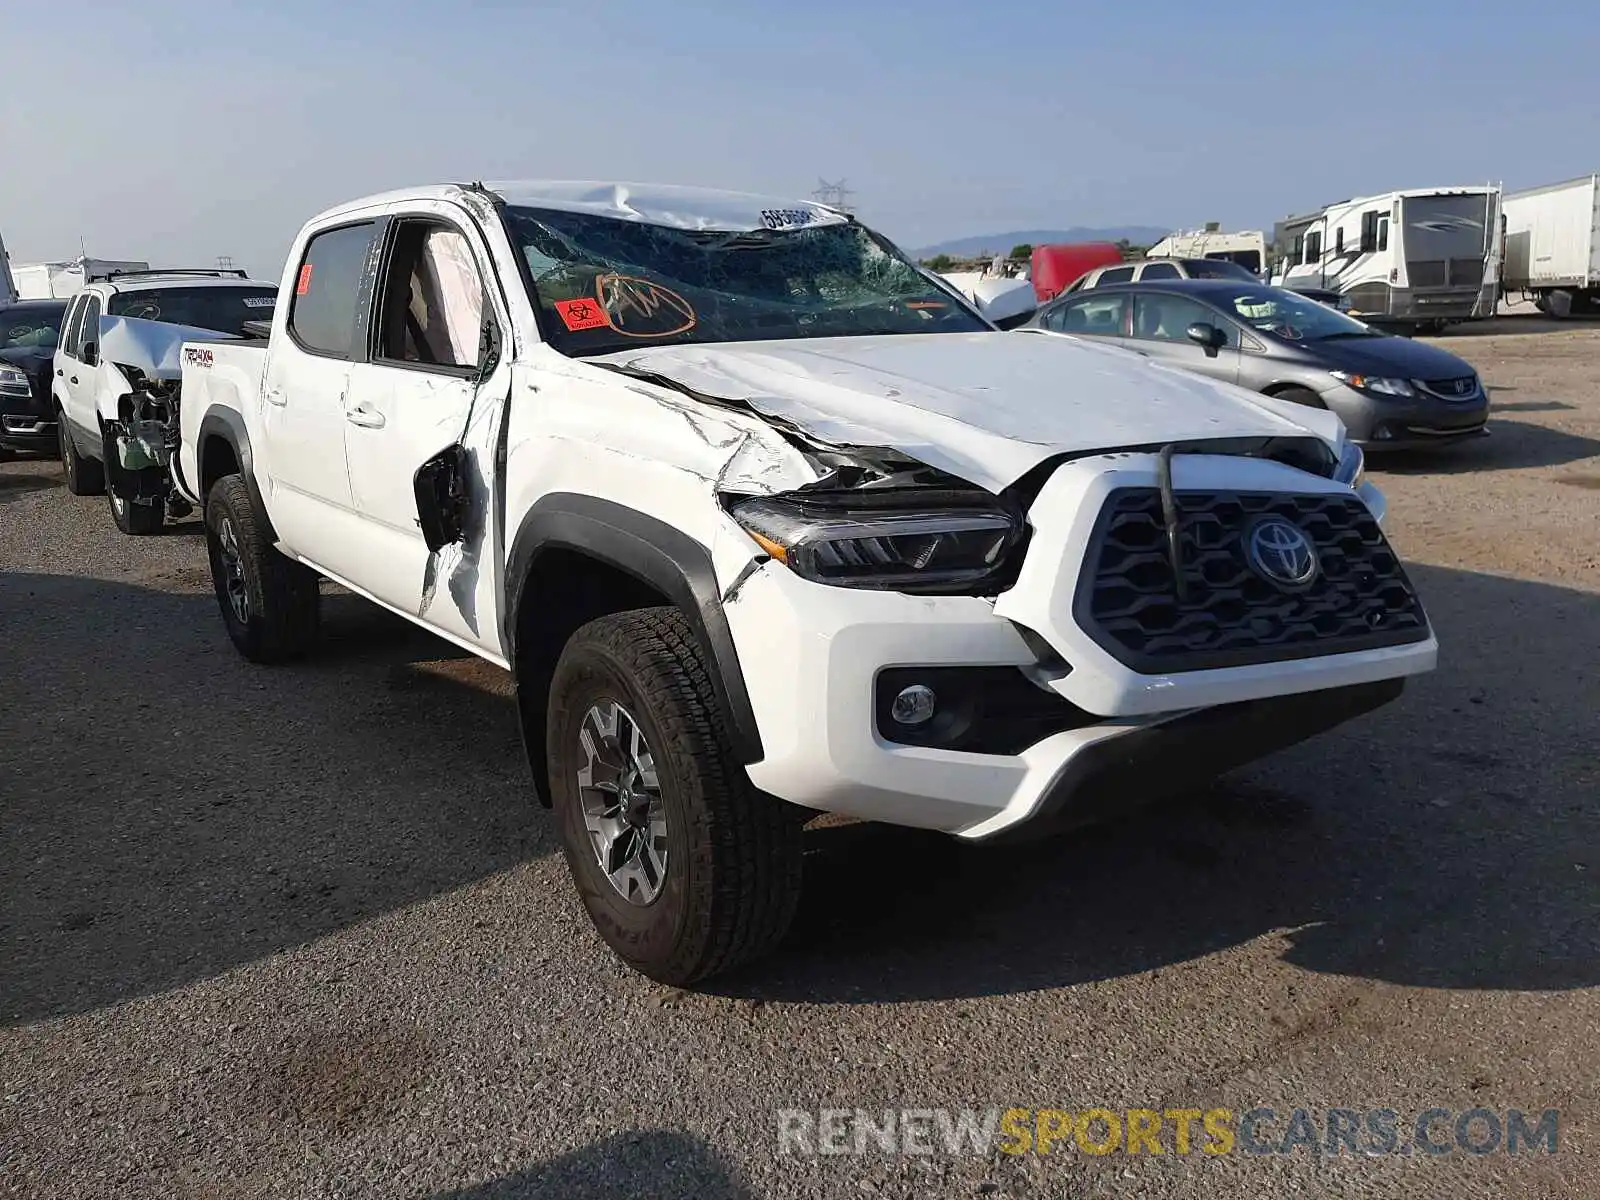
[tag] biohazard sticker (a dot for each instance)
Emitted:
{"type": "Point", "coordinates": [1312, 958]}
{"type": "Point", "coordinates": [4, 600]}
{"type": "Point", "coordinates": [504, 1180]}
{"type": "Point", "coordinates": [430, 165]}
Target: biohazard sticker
{"type": "Point", "coordinates": [582, 314]}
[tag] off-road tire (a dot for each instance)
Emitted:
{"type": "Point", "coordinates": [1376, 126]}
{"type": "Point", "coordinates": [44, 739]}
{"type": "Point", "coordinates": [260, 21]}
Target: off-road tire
{"type": "Point", "coordinates": [136, 520]}
{"type": "Point", "coordinates": [732, 878]}
{"type": "Point", "coordinates": [84, 476]}
{"type": "Point", "coordinates": [284, 597]}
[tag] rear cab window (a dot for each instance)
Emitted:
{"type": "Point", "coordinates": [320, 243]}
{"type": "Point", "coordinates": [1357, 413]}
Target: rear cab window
{"type": "Point", "coordinates": [1159, 271]}
{"type": "Point", "coordinates": [327, 289]}
{"type": "Point", "coordinates": [1116, 275]}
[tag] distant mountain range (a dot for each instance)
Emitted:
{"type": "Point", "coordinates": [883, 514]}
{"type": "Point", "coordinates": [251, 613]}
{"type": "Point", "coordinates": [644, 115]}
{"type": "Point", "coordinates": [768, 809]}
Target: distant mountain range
{"type": "Point", "coordinates": [1000, 243]}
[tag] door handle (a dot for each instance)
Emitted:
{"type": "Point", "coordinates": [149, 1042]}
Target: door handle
{"type": "Point", "coordinates": [367, 418]}
{"type": "Point", "coordinates": [275, 396]}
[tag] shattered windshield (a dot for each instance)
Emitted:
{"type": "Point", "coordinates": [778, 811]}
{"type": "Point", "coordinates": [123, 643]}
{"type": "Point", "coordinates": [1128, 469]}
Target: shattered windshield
{"type": "Point", "coordinates": [604, 284]}
{"type": "Point", "coordinates": [30, 326]}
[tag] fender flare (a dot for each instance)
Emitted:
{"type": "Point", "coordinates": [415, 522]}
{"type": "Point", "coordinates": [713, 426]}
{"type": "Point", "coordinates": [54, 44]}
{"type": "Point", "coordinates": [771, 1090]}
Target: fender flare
{"type": "Point", "coordinates": [655, 553]}
{"type": "Point", "coordinates": [230, 427]}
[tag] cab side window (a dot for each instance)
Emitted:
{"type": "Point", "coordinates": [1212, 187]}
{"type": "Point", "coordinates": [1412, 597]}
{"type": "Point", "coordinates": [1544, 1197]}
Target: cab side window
{"type": "Point", "coordinates": [88, 332]}
{"type": "Point", "coordinates": [1090, 314]}
{"type": "Point", "coordinates": [1166, 318]}
{"type": "Point", "coordinates": [322, 314]}
{"type": "Point", "coordinates": [1160, 271]}
{"type": "Point", "coordinates": [1116, 275]}
{"type": "Point", "coordinates": [70, 326]}
{"type": "Point", "coordinates": [433, 300]}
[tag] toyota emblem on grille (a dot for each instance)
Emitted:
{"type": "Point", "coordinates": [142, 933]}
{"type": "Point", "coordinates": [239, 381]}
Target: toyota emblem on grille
{"type": "Point", "coordinates": [1281, 553]}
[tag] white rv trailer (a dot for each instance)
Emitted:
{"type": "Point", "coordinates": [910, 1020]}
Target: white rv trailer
{"type": "Point", "coordinates": [1248, 248]}
{"type": "Point", "coordinates": [1552, 245]}
{"type": "Point", "coordinates": [8, 289]}
{"type": "Point", "coordinates": [59, 280]}
{"type": "Point", "coordinates": [1417, 259]}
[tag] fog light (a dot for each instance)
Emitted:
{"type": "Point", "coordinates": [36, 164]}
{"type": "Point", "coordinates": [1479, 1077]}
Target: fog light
{"type": "Point", "coordinates": [914, 705]}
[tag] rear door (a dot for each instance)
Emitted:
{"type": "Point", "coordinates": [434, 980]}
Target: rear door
{"type": "Point", "coordinates": [314, 347]}
{"type": "Point", "coordinates": [428, 383]}
{"type": "Point", "coordinates": [1161, 322]}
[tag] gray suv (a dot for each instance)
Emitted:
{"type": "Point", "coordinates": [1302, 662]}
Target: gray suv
{"type": "Point", "coordinates": [1391, 392]}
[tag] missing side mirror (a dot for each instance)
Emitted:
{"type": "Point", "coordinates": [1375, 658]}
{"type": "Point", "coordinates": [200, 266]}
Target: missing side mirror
{"type": "Point", "coordinates": [440, 486]}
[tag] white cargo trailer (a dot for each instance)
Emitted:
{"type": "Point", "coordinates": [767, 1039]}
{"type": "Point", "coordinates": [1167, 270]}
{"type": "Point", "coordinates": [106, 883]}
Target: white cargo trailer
{"type": "Point", "coordinates": [1552, 245]}
{"type": "Point", "coordinates": [58, 280]}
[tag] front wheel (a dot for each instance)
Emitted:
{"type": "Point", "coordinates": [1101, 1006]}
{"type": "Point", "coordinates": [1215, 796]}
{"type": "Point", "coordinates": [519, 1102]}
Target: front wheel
{"type": "Point", "coordinates": [1300, 395]}
{"type": "Point", "coordinates": [685, 869]}
{"type": "Point", "coordinates": [135, 518]}
{"type": "Point", "coordinates": [270, 604]}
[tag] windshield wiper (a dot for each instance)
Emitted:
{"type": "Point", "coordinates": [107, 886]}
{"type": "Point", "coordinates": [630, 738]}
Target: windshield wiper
{"type": "Point", "coordinates": [1349, 333]}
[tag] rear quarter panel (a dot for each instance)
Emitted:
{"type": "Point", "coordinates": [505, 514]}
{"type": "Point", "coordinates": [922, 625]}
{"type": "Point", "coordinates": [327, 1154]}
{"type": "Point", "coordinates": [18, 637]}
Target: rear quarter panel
{"type": "Point", "coordinates": [216, 375]}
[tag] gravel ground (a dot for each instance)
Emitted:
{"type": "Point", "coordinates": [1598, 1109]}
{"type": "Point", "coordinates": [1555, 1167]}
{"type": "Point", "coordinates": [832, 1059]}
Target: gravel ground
{"type": "Point", "coordinates": [299, 933]}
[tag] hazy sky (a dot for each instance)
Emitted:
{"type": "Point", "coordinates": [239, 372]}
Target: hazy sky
{"type": "Point", "coordinates": [175, 131]}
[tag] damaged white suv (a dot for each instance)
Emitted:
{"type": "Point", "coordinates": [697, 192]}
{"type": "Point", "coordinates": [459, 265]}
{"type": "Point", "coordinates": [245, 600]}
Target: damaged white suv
{"type": "Point", "coordinates": [766, 523]}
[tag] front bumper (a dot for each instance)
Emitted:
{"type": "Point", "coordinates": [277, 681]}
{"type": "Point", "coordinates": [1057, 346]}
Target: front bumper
{"type": "Point", "coordinates": [811, 657]}
{"type": "Point", "coordinates": [1394, 422]}
{"type": "Point", "coordinates": [1112, 776]}
{"type": "Point", "coordinates": [28, 431]}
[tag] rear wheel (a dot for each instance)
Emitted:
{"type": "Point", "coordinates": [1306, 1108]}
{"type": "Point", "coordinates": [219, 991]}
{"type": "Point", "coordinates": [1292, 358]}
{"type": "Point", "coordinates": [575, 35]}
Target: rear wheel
{"type": "Point", "coordinates": [84, 476]}
{"type": "Point", "coordinates": [270, 604]}
{"type": "Point", "coordinates": [685, 869]}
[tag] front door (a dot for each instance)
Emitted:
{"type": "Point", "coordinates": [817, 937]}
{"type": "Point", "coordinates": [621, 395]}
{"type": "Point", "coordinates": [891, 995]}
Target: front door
{"type": "Point", "coordinates": [77, 384]}
{"type": "Point", "coordinates": [303, 395]}
{"type": "Point", "coordinates": [430, 384]}
{"type": "Point", "coordinates": [1161, 322]}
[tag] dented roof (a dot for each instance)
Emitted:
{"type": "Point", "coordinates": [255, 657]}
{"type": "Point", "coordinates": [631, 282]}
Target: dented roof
{"type": "Point", "coordinates": [672, 205]}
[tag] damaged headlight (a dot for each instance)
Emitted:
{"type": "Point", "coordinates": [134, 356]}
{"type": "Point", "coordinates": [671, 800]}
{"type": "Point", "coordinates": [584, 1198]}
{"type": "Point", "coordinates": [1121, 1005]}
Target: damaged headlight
{"type": "Point", "coordinates": [912, 542]}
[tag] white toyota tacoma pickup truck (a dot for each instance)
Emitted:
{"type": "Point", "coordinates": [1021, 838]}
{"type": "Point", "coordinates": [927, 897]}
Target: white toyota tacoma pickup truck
{"type": "Point", "coordinates": [767, 523]}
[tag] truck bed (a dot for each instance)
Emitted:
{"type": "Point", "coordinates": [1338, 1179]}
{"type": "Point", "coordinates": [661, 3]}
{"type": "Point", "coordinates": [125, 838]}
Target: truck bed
{"type": "Point", "coordinates": [226, 374]}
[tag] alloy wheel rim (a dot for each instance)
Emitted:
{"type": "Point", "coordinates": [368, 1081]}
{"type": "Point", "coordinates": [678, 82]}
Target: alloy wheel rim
{"type": "Point", "coordinates": [233, 572]}
{"type": "Point", "coordinates": [620, 793]}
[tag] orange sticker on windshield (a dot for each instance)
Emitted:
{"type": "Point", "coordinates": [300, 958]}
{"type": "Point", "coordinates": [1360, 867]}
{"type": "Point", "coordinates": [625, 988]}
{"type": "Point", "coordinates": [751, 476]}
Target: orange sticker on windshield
{"type": "Point", "coordinates": [581, 314]}
{"type": "Point", "coordinates": [304, 285]}
{"type": "Point", "coordinates": [643, 308]}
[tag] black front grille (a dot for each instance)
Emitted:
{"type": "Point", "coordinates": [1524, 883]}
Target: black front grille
{"type": "Point", "coordinates": [1466, 272]}
{"type": "Point", "coordinates": [1462, 388]}
{"type": "Point", "coordinates": [1426, 273]}
{"type": "Point", "coordinates": [1128, 602]}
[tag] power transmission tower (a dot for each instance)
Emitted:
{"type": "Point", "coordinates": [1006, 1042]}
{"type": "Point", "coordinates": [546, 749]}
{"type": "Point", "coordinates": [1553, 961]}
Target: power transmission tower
{"type": "Point", "coordinates": [834, 195]}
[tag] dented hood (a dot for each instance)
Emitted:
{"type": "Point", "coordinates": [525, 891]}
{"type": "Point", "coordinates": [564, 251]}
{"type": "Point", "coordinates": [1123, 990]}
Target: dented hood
{"type": "Point", "coordinates": [153, 347]}
{"type": "Point", "coordinates": [986, 407]}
